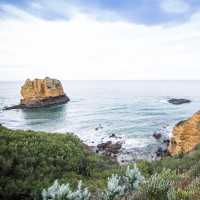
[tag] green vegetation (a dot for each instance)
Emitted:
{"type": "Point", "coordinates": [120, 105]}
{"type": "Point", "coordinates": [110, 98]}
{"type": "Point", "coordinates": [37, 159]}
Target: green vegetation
{"type": "Point", "coordinates": [30, 162]}
{"type": "Point", "coordinates": [118, 187]}
{"type": "Point", "coordinates": [172, 178]}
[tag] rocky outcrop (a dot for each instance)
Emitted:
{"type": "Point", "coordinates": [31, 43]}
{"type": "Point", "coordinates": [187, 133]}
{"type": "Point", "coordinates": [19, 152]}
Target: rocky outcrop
{"type": "Point", "coordinates": [185, 135]}
{"type": "Point", "coordinates": [108, 148]}
{"type": "Point", "coordinates": [41, 93]}
{"type": "Point", "coordinates": [178, 101]}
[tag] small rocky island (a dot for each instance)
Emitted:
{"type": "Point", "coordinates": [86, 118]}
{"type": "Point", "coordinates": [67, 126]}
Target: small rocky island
{"type": "Point", "coordinates": [175, 101]}
{"type": "Point", "coordinates": [41, 93]}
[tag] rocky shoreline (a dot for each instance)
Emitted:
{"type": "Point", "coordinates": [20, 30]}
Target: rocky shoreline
{"type": "Point", "coordinates": [113, 146]}
{"type": "Point", "coordinates": [184, 139]}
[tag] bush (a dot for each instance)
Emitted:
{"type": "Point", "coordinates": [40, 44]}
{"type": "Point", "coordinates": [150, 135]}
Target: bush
{"type": "Point", "coordinates": [123, 186]}
{"type": "Point", "coordinates": [180, 164]}
{"type": "Point", "coordinates": [195, 170]}
{"type": "Point", "coordinates": [31, 161]}
{"type": "Point", "coordinates": [145, 167]}
{"type": "Point", "coordinates": [134, 178]}
{"type": "Point", "coordinates": [114, 188]}
{"type": "Point", "coordinates": [158, 185]}
{"type": "Point", "coordinates": [63, 192]}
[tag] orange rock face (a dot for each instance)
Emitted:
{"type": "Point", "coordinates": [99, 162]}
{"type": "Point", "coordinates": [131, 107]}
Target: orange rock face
{"type": "Point", "coordinates": [40, 88]}
{"type": "Point", "coordinates": [186, 135]}
{"type": "Point", "coordinates": [38, 91]}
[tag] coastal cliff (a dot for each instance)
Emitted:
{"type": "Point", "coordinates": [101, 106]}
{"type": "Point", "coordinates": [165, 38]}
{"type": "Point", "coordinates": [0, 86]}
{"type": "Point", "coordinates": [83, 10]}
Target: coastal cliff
{"type": "Point", "coordinates": [185, 135]}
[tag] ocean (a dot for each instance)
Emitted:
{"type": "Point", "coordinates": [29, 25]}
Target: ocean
{"type": "Point", "coordinates": [132, 110]}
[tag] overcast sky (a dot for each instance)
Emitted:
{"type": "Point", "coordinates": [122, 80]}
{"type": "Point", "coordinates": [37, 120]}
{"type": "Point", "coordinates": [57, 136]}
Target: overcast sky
{"type": "Point", "coordinates": [100, 39]}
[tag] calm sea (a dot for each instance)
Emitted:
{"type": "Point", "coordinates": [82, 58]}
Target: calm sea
{"type": "Point", "coordinates": [133, 110]}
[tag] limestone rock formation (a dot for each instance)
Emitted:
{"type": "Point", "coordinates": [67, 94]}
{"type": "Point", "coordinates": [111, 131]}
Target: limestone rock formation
{"type": "Point", "coordinates": [41, 93]}
{"type": "Point", "coordinates": [186, 135]}
{"type": "Point", "coordinates": [41, 88]}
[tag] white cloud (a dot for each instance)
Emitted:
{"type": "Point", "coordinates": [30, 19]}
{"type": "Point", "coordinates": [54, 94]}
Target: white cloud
{"type": "Point", "coordinates": [84, 48]}
{"type": "Point", "coordinates": [175, 6]}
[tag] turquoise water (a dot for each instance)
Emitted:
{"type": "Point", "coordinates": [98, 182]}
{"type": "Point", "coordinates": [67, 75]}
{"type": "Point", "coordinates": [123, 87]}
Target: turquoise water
{"type": "Point", "coordinates": [133, 110]}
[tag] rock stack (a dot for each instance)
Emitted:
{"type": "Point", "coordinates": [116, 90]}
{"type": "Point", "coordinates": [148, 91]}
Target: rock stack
{"type": "Point", "coordinates": [41, 93]}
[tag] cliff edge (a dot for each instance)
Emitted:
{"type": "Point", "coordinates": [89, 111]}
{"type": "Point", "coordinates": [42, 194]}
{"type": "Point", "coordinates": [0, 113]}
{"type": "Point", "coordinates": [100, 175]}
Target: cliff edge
{"type": "Point", "coordinates": [185, 135]}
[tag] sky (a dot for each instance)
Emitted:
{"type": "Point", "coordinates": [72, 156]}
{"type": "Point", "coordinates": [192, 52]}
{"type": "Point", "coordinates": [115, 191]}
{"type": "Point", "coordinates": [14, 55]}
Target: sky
{"type": "Point", "coordinates": [100, 39]}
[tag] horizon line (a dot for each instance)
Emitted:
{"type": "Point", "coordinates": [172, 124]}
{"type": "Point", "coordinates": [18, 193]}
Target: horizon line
{"type": "Point", "coordinates": [109, 80]}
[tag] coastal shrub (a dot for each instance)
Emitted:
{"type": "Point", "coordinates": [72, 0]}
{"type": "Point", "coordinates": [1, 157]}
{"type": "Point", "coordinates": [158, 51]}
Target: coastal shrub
{"type": "Point", "coordinates": [197, 147]}
{"type": "Point", "coordinates": [191, 192]}
{"type": "Point", "coordinates": [158, 185]}
{"type": "Point", "coordinates": [117, 186]}
{"type": "Point", "coordinates": [63, 192]}
{"type": "Point", "coordinates": [134, 178]}
{"type": "Point", "coordinates": [56, 191]}
{"type": "Point", "coordinates": [171, 194]}
{"type": "Point", "coordinates": [174, 194]}
{"type": "Point", "coordinates": [126, 185]}
{"type": "Point", "coordinates": [145, 167]}
{"type": "Point", "coordinates": [31, 161]}
{"type": "Point", "coordinates": [114, 188]}
{"type": "Point", "coordinates": [195, 170]}
{"type": "Point", "coordinates": [180, 164]}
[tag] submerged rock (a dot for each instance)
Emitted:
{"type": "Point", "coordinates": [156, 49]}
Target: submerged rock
{"type": "Point", "coordinates": [157, 136]}
{"type": "Point", "coordinates": [166, 141]}
{"type": "Point", "coordinates": [99, 127]}
{"type": "Point", "coordinates": [41, 93]}
{"type": "Point", "coordinates": [185, 135]}
{"type": "Point", "coordinates": [179, 101]}
{"type": "Point", "coordinates": [114, 136]}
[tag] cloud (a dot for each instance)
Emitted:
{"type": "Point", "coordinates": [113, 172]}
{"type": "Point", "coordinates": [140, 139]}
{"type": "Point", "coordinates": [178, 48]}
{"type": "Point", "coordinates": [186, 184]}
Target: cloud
{"type": "Point", "coordinates": [83, 47]}
{"type": "Point", "coordinates": [175, 6]}
{"type": "Point", "coordinates": [15, 13]}
{"type": "Point", "coordinates": [150, 12]}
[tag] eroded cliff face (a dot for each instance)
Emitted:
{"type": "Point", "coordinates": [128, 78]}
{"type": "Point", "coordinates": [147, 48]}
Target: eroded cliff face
{"type": "Point", "coordinates": [42, 92]}
{"type": "Point", "coordinates": [185, 135]}
{"type": "Point", "coordinates": [41, 88]}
